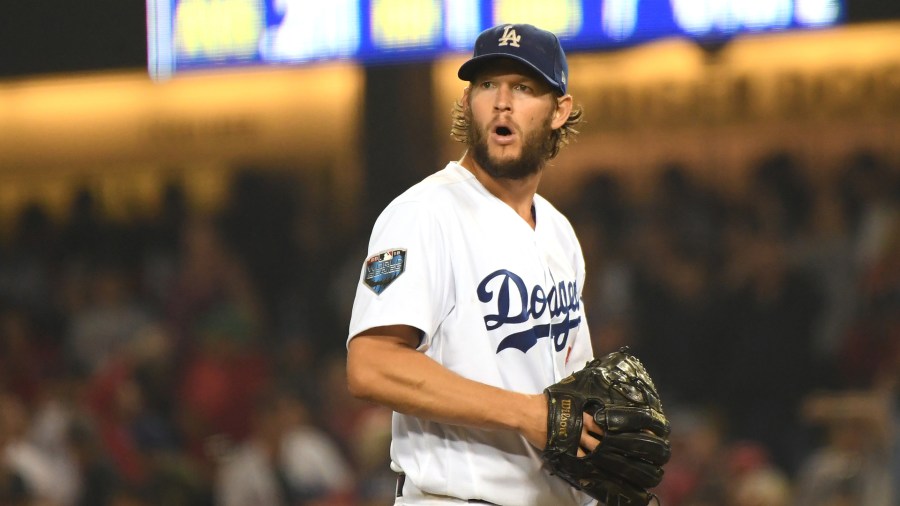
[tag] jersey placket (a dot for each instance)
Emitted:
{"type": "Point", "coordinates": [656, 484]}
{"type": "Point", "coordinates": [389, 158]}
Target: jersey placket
{"type": "Point", "coordinates": [549, 284]}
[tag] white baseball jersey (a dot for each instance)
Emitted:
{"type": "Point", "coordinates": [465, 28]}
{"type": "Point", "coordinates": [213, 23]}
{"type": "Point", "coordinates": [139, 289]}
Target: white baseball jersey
{"type": "Point", "coordinates": [497, 302]}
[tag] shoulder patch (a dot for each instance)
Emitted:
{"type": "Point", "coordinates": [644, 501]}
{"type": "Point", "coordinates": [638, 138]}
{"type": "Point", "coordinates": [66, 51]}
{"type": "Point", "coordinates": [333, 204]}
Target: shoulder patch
{"type": "Point", "coordinates": [383, 268]}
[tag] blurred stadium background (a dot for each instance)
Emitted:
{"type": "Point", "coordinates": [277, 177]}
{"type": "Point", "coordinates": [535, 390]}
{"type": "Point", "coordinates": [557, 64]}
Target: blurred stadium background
{"type": "Point", "coordinates": [186, 190]}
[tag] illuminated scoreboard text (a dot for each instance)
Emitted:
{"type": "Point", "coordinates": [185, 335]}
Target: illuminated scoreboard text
{"type": "Point", "coordinates": [185, 35]}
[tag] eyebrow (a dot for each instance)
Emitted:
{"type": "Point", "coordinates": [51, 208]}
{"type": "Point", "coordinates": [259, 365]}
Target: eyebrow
{"type": "Point", "coordinates": [516, 76]}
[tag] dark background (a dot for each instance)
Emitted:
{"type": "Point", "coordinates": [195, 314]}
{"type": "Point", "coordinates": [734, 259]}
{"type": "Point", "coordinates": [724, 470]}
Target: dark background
{"type": "Point", "coordinates": [59, 36]}
{"type": "Point", "coordinates": [708, 284]}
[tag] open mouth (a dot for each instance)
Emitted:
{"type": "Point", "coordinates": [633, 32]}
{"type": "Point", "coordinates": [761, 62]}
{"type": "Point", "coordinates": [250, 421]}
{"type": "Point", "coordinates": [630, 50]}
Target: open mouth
{"type": "Point", "coordinates": [503, 131]}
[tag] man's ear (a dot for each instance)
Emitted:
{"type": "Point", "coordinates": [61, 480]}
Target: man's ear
{"type": "Point", "coordinates": [465, 97]}
{"type": "Point", "coordinates": [563, 109]}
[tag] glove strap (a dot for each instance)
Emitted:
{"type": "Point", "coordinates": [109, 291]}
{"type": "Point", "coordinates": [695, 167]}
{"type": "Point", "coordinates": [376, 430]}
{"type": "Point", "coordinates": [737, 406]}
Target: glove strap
{"type": "Point", "coordinates": [564, 420]}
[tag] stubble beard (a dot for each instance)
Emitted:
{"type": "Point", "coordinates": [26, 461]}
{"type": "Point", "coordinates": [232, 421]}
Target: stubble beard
{"type": "Point", "coordinates": [531, 159]}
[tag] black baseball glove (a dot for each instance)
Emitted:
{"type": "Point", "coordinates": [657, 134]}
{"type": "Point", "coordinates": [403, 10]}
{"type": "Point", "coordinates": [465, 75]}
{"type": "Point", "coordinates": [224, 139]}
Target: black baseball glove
{"type": "Point", "coordinates": [617, 391]}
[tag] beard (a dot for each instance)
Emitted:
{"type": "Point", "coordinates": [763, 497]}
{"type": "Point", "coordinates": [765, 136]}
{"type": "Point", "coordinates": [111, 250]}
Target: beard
{"type": "Point", "coordinates": [535, 152]}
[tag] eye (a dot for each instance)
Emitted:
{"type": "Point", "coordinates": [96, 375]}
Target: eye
{"type": "Point", "coordinates": [523, 87]}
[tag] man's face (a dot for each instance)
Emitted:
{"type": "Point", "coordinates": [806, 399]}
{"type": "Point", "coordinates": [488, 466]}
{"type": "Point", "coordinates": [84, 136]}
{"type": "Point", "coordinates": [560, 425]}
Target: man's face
{"type": "Point", "coordinates": [510, 112]}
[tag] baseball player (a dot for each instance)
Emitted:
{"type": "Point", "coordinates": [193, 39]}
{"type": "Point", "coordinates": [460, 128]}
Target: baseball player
{"type": "Point", "coordinates": [469, 302]}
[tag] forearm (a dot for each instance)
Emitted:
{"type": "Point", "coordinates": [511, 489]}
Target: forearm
{"type": "Point", "coordinates": [389, 372]}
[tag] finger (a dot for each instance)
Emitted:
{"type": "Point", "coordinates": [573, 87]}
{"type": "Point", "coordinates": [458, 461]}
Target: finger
{"type": "Point", "coordinates": [629, 418]}
{"type": "Point", "coordinates": [588, 443]}
{"type": "Point", "coordinates": [591, 435]}
{"type": "Point", "coordinates": [650, 448]}
{"type": "Point", "coordinates": [591, 426]}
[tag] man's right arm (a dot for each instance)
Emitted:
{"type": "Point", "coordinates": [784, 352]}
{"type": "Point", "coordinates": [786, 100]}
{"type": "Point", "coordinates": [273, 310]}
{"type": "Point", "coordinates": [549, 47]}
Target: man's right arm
{"type": "Point", "coordinates": [383, 366]}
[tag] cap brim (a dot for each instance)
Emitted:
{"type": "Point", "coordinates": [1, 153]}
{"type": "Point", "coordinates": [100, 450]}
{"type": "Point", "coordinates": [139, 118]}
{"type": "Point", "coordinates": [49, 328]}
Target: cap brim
{"type": "Point", "coordinates": [468, 69]}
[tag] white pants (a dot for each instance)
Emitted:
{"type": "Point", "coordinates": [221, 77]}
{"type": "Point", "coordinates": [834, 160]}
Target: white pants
{"type": "Point", "coordinates": [409, 495]}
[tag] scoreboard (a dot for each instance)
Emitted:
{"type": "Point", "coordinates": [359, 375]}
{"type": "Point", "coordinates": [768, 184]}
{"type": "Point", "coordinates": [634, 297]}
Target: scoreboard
{"type": "Point", "coordinates": [186, 35]}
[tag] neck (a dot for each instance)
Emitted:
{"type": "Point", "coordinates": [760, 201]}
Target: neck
{"type": "Point", "coordinates": [516, 193]}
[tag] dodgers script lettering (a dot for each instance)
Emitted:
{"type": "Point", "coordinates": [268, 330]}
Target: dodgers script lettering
{"type": "Point", "coordinates": [515, 303]}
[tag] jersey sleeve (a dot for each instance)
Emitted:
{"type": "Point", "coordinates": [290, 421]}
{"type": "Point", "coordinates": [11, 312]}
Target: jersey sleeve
{"type": "Point", "coordinates": [405, 277]}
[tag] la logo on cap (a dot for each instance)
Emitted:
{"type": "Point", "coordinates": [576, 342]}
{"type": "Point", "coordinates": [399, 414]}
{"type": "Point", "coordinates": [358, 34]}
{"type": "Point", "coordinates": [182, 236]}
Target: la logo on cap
{"type": "Point", "coordinates": [509, 37]}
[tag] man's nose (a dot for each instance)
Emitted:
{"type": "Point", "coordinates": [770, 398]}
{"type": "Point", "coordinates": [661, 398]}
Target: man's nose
{"type": "Point", "coordinates": [503, 99]}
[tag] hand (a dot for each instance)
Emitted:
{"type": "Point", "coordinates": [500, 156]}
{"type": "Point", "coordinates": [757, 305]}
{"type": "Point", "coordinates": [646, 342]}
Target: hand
{"type": "Point", "coordinates": [536, 432]}
{"type": "Point", "coordinates": [591, 435]}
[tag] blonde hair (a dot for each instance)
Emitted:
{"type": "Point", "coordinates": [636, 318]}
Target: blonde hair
{"type": "Point", "coordinates": [459, 128]}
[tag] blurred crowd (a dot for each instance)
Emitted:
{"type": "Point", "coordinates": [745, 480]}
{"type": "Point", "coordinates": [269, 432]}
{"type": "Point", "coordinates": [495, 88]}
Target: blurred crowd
{"type": "Point", "coordinates": [770, 321]}
{"type": "Point", "coordinates": [197, 358]}
{"type": "Point", "coordinates": [182, 358]}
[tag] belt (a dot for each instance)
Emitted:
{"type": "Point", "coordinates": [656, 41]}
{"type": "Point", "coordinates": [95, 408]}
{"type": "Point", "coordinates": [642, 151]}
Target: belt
{"type": "Point", "coordinates": [401, 480]}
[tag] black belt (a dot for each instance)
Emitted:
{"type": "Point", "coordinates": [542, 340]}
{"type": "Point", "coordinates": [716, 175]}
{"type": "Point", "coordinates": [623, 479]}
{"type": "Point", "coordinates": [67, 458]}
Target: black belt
{"type": "Point", "coordinates": [401, 479]}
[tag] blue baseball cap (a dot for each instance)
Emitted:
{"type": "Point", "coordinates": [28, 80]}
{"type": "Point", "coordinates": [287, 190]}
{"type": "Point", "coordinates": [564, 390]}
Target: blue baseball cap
{"type": "Point", "coordinates": [537, 48]}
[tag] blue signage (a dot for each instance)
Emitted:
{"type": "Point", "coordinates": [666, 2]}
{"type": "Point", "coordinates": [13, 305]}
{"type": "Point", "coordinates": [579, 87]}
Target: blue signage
{"type": "Point", "coordinates": [185, 35]}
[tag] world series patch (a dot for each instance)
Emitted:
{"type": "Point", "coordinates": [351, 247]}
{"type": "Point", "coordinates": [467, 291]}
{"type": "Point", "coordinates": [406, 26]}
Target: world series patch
{"type": "Point", "coordinates": [382, 269]}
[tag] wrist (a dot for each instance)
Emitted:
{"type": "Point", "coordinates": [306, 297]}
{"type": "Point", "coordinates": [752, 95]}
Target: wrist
{"type": "Point", "coordinates": [534, 420]}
